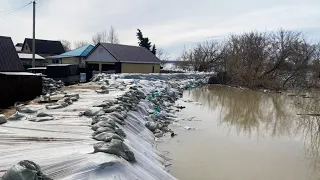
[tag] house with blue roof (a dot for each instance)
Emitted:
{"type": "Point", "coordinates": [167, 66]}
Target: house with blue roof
{"type": "Point", "coordinates": [76, 56]}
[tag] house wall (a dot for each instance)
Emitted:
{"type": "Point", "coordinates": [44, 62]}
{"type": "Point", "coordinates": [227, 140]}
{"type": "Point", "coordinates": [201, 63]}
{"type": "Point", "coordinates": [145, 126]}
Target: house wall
{"type": "Point", "coordinates": [28, 63]}
{"type": "Point", "coordinates": [139, 68]}
{"type": "Point", "coordinates": [26, 48]}
{"type": "Point", "coordinates": [83, 62]}
{"type": "Point", "coordinates": [47, 55]}
{"type": "Point", "coordinates": [71, 60]}
{"type": "Point", "coordinates": [100, 54]}
{"type": "Point", "coordinates": [100, 66]}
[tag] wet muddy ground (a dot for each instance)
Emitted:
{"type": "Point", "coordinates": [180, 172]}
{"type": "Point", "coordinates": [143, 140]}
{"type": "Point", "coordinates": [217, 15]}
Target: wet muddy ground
{"type": "Point", "coordinates": [239, 134]}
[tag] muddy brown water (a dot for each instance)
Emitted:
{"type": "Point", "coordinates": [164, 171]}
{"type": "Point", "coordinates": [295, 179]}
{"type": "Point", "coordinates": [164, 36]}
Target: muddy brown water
{"type": "Point", "coordinates": [245, 135]}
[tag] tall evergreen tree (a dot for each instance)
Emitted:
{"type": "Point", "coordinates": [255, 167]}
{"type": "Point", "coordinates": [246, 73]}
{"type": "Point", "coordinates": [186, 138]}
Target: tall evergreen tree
{"type": "Point", "coordinates": [154, 49]}
{"type": "Point", "coordinates": [146, 43]}
{"type": "Point", "coordinates": [140, 37]}
{"type": "Point", "coordinates": [143, 41]}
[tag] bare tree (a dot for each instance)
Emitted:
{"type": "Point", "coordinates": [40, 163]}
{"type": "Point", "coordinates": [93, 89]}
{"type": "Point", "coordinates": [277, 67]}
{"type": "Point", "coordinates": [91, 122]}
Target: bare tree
{"type": "Point", "coordinates": [245, 57]}
{"type": "Point", "coordinates": [112, 36]}
{"type": "Point", "coordinates": [204, 56]}
{"type": "Point", "coordinates": [274, 60]}
{"type": "Point", "coordinates": [78, 44]}
{"type": "Point", "coordinates": [106, 37]}
{"type": "Point", "coordinates": [66, 45]}
{"type": "Point", "coordinates": [162, 55]}
{"type": "Point", "coordinates": [281, 49]}
{"type": "Point", "coordinates": [100, 37]}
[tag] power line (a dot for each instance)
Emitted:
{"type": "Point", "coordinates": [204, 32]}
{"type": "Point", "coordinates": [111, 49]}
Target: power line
{"type": "Point", "coordinates": [3, 11]}
{"type": "Point", "coordinates": [13, 10]}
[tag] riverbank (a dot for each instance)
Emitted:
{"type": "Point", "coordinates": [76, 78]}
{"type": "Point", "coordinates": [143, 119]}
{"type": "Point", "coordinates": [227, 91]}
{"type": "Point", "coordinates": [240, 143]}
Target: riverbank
{"type": "Point", "coordinates": [67, 146]}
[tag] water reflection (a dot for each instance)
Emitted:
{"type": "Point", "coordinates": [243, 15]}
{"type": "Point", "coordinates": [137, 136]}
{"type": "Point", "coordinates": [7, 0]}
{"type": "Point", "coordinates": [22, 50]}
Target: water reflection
{"type": "Point", "coordinates": [248, 111]}
{"type": "Point", "coordinates": [309, 125]}
{"type": "Point", "coordinates": [264, 115]}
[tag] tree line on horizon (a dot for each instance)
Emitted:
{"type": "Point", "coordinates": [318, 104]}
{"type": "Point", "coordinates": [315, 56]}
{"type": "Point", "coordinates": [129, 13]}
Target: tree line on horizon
{"type": "Point", "coordinates": [272, 60]}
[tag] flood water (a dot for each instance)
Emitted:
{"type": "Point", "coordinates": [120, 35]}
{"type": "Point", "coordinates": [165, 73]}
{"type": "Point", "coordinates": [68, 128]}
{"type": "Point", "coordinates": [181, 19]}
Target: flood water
{"type": "Point", "coordinates": [245, 135]}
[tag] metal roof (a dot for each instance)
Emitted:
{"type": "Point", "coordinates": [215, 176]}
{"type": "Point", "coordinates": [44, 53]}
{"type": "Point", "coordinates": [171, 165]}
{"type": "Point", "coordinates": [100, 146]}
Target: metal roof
{"type": "Point", "coordinates": [45, 46]}
{"type": "Point", "coordinates": [131, 54]}
{"type": "Point", "coordinates": [29, 56]}
{"type": "Point", "coordinates": [79, 52]}
{"type": "Point", "coordinates": [59, 64]}
{"type": "Point", "coordinates": [9, 60]}
{"type": "Point", "coordinates": [38, 68]}
{"type": "Point", "coordinates": [19, 74]}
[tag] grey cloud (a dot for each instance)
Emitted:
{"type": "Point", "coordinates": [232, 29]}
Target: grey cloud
{"type": "Point", "coordinates": [169, 23]}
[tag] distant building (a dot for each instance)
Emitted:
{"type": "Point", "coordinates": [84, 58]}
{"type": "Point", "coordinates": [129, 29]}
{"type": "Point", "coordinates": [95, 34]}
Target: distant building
{"type": "Point", "coordinates": [26, 60]}
{"type": "Point", "coordinates": [75, 56]}
{"type": "Point", "coordinates": [117, 58]}
{"type": "Point", "coordinates": [44, 48]}
{"type": "Point", "coordinates": [15, 85]}
{"type": "Point", "coordinates": [67, 73]}
{"type": "Point", "coordinates": [18, 47]}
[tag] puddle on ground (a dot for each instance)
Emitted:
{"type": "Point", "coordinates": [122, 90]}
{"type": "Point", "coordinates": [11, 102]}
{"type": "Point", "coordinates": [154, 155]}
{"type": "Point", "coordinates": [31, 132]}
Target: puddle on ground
{"type": "Point", "coordinates": [245, 135]}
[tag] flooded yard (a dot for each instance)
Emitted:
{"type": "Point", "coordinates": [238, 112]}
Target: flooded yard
{"type": "Point", "coordinates": [245, 135]}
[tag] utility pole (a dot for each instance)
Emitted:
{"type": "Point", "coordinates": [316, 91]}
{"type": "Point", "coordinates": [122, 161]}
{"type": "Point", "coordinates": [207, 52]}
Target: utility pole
{"type": "Point", "coordinates": [34, 35]}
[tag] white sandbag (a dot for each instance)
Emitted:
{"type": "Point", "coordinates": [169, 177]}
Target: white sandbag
{"type": "Point", "coordinates": [107, 137]}
{"type": "Point", "coordinates": [42, 114]}
{"type": "Point", "coordinates": [17, 116]}
{"type": "Point", "coordinates": [116, 147]}
{"type": "Point", "coordinates": [93, 111]}
{"type": "Point", "coordinates": [41, 119]}
{"type": "Point", "coordinates": [27, 110]}
{"type": "Point", "coordinates": [25, 170]}
{"type": "Point", "coordinates": [2, 119]}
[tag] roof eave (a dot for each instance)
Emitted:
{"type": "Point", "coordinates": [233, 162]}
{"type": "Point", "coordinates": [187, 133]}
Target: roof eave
{"type": "Point", "coordinates": [140, 62]}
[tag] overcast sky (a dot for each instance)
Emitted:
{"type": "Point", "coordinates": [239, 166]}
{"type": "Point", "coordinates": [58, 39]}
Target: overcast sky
{"type": "Point", "coordinates": [170, 24]}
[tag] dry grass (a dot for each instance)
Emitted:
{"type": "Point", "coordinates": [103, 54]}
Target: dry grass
{"type": "Point", "coordinates": [8, 112]}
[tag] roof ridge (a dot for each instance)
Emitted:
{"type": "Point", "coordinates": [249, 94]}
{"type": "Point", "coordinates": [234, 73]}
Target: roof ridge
{"type": "Point", "coordinates": [78, 48]}
{"type": "Point", "coordinates": [5, 37]}
{"type": "Point", "coordinates": [44, 40]}
{"type": "Point", "coordinates": [123, 45]}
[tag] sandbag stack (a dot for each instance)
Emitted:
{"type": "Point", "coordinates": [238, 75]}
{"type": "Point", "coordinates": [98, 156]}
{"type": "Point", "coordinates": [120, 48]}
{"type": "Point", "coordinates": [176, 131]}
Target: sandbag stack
{"type": "Point", "coordinates": [49, 85]}
{"type": "Point", "coordinates": [154, 100]}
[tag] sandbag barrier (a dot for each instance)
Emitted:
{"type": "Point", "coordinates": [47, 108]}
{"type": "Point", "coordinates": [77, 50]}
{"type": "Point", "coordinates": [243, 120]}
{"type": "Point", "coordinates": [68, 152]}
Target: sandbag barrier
{"type": "Point", "coordinates": [67, 100]}
{"type": "Point", "coordinates": [162, 99]}
{"type": "Point", "coordinates": [106, 124]}
{"type": "Point", "coordinates": [154, 100]}
{"type": "Point", "coordinates": [49, 85]}
{"type": "Point", "coordinates": [147, 102]}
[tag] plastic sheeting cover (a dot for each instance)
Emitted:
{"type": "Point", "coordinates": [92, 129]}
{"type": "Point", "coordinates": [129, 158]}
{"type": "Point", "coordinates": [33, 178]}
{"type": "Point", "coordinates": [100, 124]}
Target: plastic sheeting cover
{"type": "Point", "coordinates": [63, 147]}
